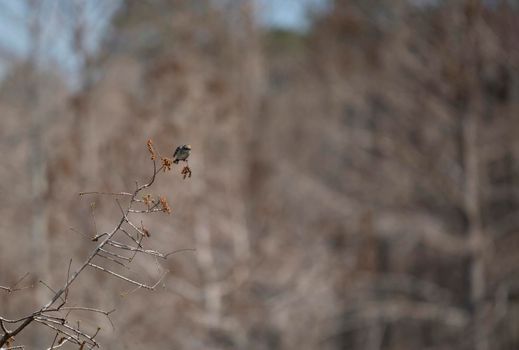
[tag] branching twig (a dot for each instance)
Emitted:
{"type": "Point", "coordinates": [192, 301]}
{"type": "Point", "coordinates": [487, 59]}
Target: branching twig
{"type": "Point", "coordinates": [115, 255]}
{"type": "Point", "coordinates": [14, 287]}
{"type": "Point", "coordinates": [60, 324]}
{"type": "Point", "coordinates": [129, 280]}
{"type": "Point", "coordinates": [61, 342]}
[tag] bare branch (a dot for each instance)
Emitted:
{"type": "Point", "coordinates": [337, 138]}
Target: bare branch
{"type": "Point", "coordinates": [75, 336]}
{"type": "Point", "coordinates": [113, 260]}
{"type": "Point", "coordinates": [4, 329]}
{"type": "Point", "coordinates": [106, 193]}
{"type": "Point", "coordinates": [179, 251]}
{"type": "Point", "coordinates": [82, 308]}
{"type": "Point", "coordinates": [62, 323]}
{"type": "Point", "coordinates": [147, 211]}
{"type": "Point", "coordinates": [115, 255]}
{"type": "Point", "coordinates": [58, 323]}
{"type": "Point", "coordinates": [134, 249]}
{"type": "Point", "coordinates": [141, 285]}
{"type": "Point", "coordinates": [87, 309]}
{"type": "Point", "coordinates": [49, 288]}
{"type": "Point", "coordinates": [54, 341]}
{"type": "Point", "coordinates": [79, 232]}
{"type": "Point", "coordinates": [62, 342]}
{"type": "Point", "coordinates": [14, 287]}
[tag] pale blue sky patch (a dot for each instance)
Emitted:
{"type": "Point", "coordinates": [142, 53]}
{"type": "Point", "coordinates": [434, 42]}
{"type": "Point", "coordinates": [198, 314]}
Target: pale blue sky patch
{"type": "Point", "coordinates": [288, 14]}
{"type": "Point", "coordinates": [13, 22]}
{"type": "Point", "coordinates": [58, 19]}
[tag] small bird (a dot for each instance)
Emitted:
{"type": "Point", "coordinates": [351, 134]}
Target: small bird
{"type": "Point", "coordinates": [182, 153]}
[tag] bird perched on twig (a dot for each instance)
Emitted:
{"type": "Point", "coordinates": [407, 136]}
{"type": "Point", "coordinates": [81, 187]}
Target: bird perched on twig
{"type": "Point", "coordinates": [182, 153]}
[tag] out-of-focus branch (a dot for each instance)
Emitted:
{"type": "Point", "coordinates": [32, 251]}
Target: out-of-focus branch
{"type": "Point", "coordinates": [15, 287]}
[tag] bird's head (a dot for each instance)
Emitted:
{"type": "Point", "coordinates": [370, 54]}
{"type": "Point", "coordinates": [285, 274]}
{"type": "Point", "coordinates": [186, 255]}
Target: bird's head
{"type": "Point", "coordinates": [188, 147]}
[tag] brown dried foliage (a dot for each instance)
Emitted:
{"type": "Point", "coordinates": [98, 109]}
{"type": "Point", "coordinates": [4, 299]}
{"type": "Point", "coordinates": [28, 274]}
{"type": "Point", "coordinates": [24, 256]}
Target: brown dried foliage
{"type": "Point", "coordinates": [166, 163]}
{"type": "Point", "coordinates": [151, 149]}
{"type": "Point", "coordinates": [186, 171]}
{"type": "Point", "coordinates": [148, 200]}
{"type": "Point", "coordinates": [165, 205]}
{"type": "Point", "coordinates": [145, 230]}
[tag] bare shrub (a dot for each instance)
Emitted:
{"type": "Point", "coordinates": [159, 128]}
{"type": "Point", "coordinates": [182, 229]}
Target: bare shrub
{"type": "Point", "coordinates": [117, 249]}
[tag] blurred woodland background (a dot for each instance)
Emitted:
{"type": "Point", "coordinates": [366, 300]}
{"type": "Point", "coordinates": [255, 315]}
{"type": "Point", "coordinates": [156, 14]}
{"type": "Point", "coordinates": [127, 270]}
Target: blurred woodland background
{"type": "Point", "coordinates": [355, 182]}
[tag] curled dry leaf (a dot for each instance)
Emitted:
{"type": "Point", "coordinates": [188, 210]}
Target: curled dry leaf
{"type": "Point", "coordinates": [167, 163]}
{"type": "Point", "coordinates": [165, 205]}
{"type": "Point", "coordinates": [145, 230]}
{"type": "Point", "coordinates": [148, 200]}
{"type": "Point", "coordinates": [186, 171]}
{"type": "Point", "coordinates": [151, 149]}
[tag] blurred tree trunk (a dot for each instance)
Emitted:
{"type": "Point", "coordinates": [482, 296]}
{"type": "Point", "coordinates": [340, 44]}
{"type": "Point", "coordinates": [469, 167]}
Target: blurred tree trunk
{"type": "Point", "coordinates": [83, 132]}
{"type": "Point", "coordinates": [474, 106]}
{"type": "Point", "coordinates": [476, 235]}
{"type": "Point", "coordinates": [38, 157]}
{"type": "Point", "coordinates": [37, 164]}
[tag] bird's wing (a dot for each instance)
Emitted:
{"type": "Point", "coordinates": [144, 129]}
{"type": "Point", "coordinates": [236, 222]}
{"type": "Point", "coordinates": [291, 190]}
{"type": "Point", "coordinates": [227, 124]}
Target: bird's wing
{"type": "Point", "coordinates": [176, 152]}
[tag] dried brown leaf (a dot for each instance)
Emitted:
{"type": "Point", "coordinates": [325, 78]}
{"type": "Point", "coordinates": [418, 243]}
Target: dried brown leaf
{"type": "Point", "coordinates": [167, 163]}
{"type": "Point", "coordinates": [145, 230]}
{"type": "Point", "coordinates": [186, 172]}
{"type": "Point", "coordinates": [151, 149]}
{"type": "Point", "coordinates": [165, 205]}
{"type": "Point", "coordinates": [148, 200]}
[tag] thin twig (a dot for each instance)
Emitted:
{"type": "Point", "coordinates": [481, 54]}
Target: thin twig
{"type": "Point", "coordinates": [13, 288]}
{"type": "Point", "coordinates": [142, 285]}
{"type": "Point", "coordinates": [88, 309]}
{"type": "Point", "coordinates": [179, 251]}
{"type": "Point", "coordinates": [79, 232]}
{"type": "Point", "coordinates": [4, 329]}
{"type": "Point", "coordinates": [92, 212]}
{"type": "Point", "coordinates": [62, 342]}
{"type": "Point", "coordinates": [49, 287]}
{"type": "Point", "coordinates": [106, 193]}
{"type": "Point", "coordinates": [115, 255]}
{"type": "Point", "coordinates": [73, 337]}
{"type": "Point", "coordinates": [147, 211]}
{"type": "Point", "coordinates": [113, 260]}
{"type": "Point", "coordinates": [139, 246]}
{"type": "Point", "coordinates": [82, 308]}
{"type": "Point", "coordinates": [134, 249]}
{"type": "Point", "coordinates": [54, 341]}
{"type": "Point", "coordinates": [20, 280]}
{"type": "Point", "coordinates": [77, 331]}
{"type": "Point", "coordinates": [131, 237]}
{"type": "Point", "coordinates": [154, 286]}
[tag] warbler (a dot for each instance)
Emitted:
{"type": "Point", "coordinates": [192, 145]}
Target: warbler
{"type": "Point", "coordinates": [182, 153]}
